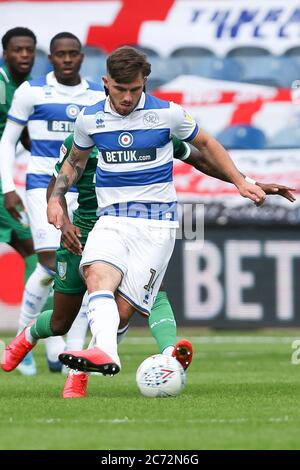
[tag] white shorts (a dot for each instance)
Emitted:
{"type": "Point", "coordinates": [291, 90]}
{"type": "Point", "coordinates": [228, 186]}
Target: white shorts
{"type": "Point", "coordinates": [45, 236]}
{"type": "Point", "coordinates": [139, 249]}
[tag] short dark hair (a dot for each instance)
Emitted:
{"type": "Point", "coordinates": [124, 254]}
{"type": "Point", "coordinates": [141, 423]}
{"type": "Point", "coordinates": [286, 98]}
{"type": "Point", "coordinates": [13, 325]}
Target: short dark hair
{"type": "Point", "coordinates": [15, 32]}
{"type": "Point", "coordinates": [63, 35]}
{"type": "Point", "coordinates": [125, 64]}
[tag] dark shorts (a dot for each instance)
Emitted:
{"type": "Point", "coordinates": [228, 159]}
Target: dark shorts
{"type": "Point", "coordinates": [67, 279]}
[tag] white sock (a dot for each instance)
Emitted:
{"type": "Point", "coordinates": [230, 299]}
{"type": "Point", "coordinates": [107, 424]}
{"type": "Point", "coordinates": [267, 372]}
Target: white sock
{"type": "Point", "coordinates": [77, 332]}
{"type": "Point", "coordinates": [104, 320]}
{"type": "Point", "coordinates": [28, 336]}
{"type": "Point", "coordinates": [168, 351]}
{"type": "Point", "coordinates": [76, 372]}
{"type": "Point", "coordinates": [54, 346]}
{"type": "Point", "coordinates": [122, 332]}
{"type": "Point", "coordinates": [35, 294]}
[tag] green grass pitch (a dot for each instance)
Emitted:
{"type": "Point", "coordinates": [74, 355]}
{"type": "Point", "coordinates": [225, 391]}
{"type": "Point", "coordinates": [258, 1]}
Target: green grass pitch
{"type": "Point", "coordinates": [242, 392]}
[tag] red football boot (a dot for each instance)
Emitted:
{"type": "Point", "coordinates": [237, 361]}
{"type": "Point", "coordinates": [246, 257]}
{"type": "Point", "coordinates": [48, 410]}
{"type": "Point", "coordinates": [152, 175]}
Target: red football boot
{"type": "Point", "coordinates": [76, 385]}
{"type": "Point", "coordinates": [183, 352]}
{"type": "Point", "coordinates": [90, 360]}
{"type": "Point", "coordinates": [15, 352]}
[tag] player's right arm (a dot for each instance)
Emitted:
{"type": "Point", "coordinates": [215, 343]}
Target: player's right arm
{"type": "Point", "coordinates": [70, 233]}
{"type": "Point", "coordinates": [70, 172]}
{"type": "Point", "coordinates": [17, 118]}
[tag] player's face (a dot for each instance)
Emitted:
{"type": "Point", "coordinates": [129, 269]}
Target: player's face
{"type": "Point", "coordinates": [19, 55]}
{"type": "Point", "coordinates": [66, 58]}
{"type": "Point", "coordinates": [124, 96]}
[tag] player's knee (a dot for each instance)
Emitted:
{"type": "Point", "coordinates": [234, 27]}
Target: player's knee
{"type": "Point", "coordinates": [47, 259]}
{"type": "Point", "coordinates": [60, 326]}
{"type": "Point", "coordinates": [101, 278]}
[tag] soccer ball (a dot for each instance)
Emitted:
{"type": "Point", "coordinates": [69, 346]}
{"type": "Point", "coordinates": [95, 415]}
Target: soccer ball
{"type": "Point", "coordinates": [160, 376]}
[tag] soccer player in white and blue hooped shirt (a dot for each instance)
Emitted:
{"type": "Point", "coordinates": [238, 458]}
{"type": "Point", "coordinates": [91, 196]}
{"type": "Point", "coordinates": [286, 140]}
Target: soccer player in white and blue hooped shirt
{"type": "Point", "coordinates": [131, 244]}
{"type": "Point", "coordinates": [48, 106]}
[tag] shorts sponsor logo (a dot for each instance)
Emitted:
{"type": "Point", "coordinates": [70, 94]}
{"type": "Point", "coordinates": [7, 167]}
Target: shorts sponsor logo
{"type": "Point", "coordinates": [125, 139]}
{"type": "Point", "coordinates": [188, 117]}
{"type": "Point", "coordinates": [62, 269]}
{"type": "Point", "coordinates": [150, 119]}
{"type": "Point", "coordinates": [129, 156]}
{"type": "Point", "coordinates": [61, 126]}
{"type": "Point", "coordinates": [72, 111]}
{"type": "Point", "coordinates": [99, 117]}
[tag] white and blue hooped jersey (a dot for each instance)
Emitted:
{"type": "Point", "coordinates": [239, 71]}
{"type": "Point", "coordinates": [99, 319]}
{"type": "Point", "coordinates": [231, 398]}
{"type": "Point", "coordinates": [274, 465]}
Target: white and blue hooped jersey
{"type": "Point", "coordinates": [135, 165]}
{"type": "Point", "coordinates": [49, 109]}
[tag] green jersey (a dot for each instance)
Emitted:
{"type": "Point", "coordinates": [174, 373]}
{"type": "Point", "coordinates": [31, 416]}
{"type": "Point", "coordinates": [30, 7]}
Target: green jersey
{"type": "Point", "coordinates": [7, 89]}
{"type": "Point", "coordinates": [85, 216]}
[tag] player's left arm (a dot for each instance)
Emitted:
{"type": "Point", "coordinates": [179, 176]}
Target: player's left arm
{"type": "Point", "coordinates": [209, 147]}
{"type": "Point", "coordinates": [206, 165]}
{"type": "Point", "coordinates": [184, 127]}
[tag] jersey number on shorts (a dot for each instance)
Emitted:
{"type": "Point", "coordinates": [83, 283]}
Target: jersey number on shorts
{"type": "Point", "coordinates": [149, 287]}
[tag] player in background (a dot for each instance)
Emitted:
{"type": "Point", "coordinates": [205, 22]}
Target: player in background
{"type": "Point", "coordinates": [49, 107]}
{"type": "Point", "coordinates": [18, 53]}
{"type": "Point", "coordinates": [69, 286]}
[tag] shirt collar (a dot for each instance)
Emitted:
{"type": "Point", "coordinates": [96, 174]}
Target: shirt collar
{"type": "Point", "coordinates": [76, 89]}
{"type": "Point", "coordinates": [140, 105]}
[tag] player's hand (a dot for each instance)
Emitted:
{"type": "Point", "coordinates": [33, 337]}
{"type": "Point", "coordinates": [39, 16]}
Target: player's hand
{"type": "Point", "coordinates": [252, 192]}
{"type": "Point", "coordinates": [71, 238]}
{"type": "Point", "coordinates": [55, 213]}
{"type": "Point", "coordinates": [14, 204]}
{"type": "Point", "coordinates": [278, 189]}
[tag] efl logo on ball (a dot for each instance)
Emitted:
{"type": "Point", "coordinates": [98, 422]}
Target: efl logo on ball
{"type": "Point", "coordinates": [160, 376]}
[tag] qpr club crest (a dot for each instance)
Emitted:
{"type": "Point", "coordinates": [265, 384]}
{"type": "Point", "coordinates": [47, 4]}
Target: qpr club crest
{"type": "Point", "coordinates": [62, 269]}
{"type": "Point", "coordinates": [72, 111]}
{"type": "Point", "coordinates": [125, 139]}
{"type": "Point", "coordinates": [150, 119]}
